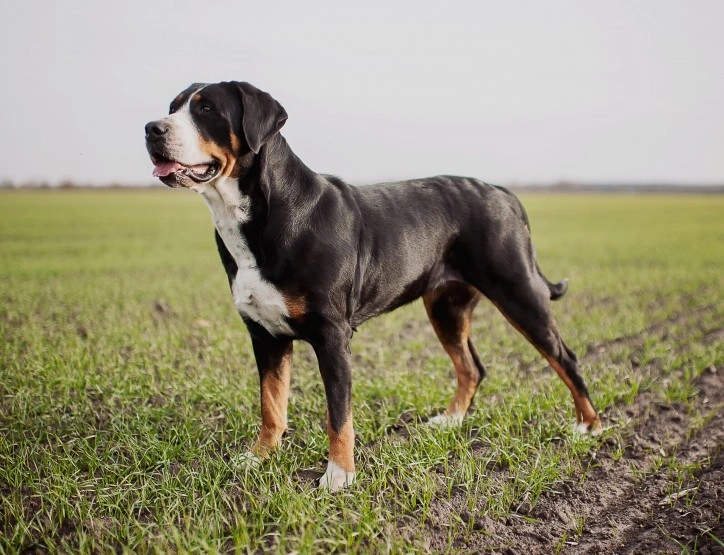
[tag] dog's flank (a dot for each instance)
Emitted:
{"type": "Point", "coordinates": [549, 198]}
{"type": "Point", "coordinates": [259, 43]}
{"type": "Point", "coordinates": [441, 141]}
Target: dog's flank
{"type": "Point", "coordinates": [310, 257]}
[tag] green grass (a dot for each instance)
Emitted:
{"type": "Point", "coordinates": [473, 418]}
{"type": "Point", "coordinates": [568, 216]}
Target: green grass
{"type": "Point", "coordinates": [127, 380]}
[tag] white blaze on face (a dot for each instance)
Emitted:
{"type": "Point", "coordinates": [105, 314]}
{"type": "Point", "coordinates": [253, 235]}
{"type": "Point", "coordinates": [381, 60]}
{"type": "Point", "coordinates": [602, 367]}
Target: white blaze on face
{"type": "Point", "coordinates": [184, 140]}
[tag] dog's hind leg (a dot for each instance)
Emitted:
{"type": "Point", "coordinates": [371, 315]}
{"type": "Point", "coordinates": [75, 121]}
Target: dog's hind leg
{"type": "Point", "coordinates": [450, 308]}
{"type": "Point", "coordinates": [525, 304]}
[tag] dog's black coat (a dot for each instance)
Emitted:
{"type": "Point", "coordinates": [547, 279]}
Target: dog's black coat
{"type": "Point", "coordinates": [351, 253]}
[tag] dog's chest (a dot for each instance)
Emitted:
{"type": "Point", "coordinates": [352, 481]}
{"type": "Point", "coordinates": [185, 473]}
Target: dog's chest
{"type": "Point", "coordinates": [254, 297]}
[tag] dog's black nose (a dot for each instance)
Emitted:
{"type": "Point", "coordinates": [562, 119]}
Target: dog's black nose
{"type": "Point", "coordinates": [156, 129]}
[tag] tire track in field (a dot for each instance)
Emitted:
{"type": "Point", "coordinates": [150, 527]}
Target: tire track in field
{"type": "Point", "coordinates": [586, 304]}
{"type": "Point", "coordinates": [618, 523]}
{"type": "Point", "coordinates": [597, 350]}
{"type": "Point", "coordinates": [618, 498]}
{"type": "Point", "coordinates": [691, 518]}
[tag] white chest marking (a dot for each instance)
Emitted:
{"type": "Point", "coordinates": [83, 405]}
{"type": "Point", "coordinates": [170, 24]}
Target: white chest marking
{"type": "Point", "coordinates": [254, 297]}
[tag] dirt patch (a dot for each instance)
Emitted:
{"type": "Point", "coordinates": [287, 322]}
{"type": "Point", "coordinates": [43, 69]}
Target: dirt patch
{"type": "Point", "coordinates": [690, 518]}
{"type": "Point", "coordinates": [661, 515]}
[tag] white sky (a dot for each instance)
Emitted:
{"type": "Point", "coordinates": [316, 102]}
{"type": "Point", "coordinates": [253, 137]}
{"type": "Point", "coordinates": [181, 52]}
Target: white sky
{"type": "Point", "coordinates": [505, 91]}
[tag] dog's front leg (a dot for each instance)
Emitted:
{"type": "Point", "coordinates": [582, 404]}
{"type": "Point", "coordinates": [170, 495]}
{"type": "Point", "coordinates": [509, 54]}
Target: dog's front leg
{"type": "Point", "coordinates": [333, 355]}
{"type": "Point", "coordinates": [274, 362]}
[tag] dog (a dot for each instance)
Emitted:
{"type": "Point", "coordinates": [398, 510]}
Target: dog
{"type": "Point", "coordinates": [310, 257]}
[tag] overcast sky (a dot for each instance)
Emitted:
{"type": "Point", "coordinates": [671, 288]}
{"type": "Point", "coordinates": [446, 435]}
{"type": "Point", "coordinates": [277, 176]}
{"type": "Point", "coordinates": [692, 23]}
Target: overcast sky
{"type": "Point", "coordinates": [504, 91]}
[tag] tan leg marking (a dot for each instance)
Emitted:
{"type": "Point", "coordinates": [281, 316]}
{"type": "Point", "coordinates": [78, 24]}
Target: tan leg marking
{"type": "Point", "coordinates": [341, 445]}
{"type": "Point", "coordinates": [586, 415]}
{"type": "Point", "coordinates": [340, 469]}
{"type": "Point", "coordinates": [274, 398]}
{"type": "Point", "coordinates": [457, 348]}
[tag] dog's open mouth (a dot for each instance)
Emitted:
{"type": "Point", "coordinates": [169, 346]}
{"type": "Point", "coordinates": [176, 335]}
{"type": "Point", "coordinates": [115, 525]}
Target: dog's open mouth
{"type": "Point", "coordinates": [199, 172]}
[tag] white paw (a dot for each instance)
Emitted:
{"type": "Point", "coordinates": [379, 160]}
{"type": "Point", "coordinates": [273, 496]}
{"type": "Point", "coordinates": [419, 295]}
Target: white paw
{"type": "Point", "coordinates": [581, 428]}
{"type": "Point", "coordinates": [335, 478]}
{"type": "Point", "coordinates": [446, 421]}
{"type": "Point", "coordinates": [247, 460]}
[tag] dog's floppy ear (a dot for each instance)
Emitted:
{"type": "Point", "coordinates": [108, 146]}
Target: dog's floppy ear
{"type": "Point", "coordinates": [263, 116]}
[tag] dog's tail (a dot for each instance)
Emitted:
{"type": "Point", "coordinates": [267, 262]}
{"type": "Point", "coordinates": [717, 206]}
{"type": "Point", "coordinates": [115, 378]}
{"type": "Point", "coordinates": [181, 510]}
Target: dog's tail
{"type": "Point", "coordinates": [557, 290]}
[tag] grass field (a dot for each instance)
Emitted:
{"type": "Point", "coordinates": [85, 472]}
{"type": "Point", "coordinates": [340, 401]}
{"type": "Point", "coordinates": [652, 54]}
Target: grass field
{"type": "Point", "coordinates": [127, 383]}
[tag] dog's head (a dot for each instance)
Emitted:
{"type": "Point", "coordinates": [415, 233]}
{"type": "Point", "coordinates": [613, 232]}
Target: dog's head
{"type": "Point", "coordinates": [209, 126]}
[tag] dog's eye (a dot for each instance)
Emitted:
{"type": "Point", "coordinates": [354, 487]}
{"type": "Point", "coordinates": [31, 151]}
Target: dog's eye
{"type": "Point", "coordinates": [171, 110]}
{"type": "Point", "coordinates": [205, 108]}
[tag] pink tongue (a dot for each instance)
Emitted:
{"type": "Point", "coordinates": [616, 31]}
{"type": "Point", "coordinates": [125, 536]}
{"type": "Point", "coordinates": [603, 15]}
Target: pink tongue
{"type": "Point", "coordinates": [163, 169]}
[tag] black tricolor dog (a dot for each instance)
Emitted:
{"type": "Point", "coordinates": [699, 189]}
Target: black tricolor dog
{"type": "Point", "coordinates": [311, 257]}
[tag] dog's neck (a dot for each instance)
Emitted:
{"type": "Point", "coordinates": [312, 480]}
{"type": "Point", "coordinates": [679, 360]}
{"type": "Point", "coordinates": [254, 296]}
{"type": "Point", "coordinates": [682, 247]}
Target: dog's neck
{"type": "Point", "coordinates": [272, 180]}
{"type": "Point", "coordinates": [284, 180]}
